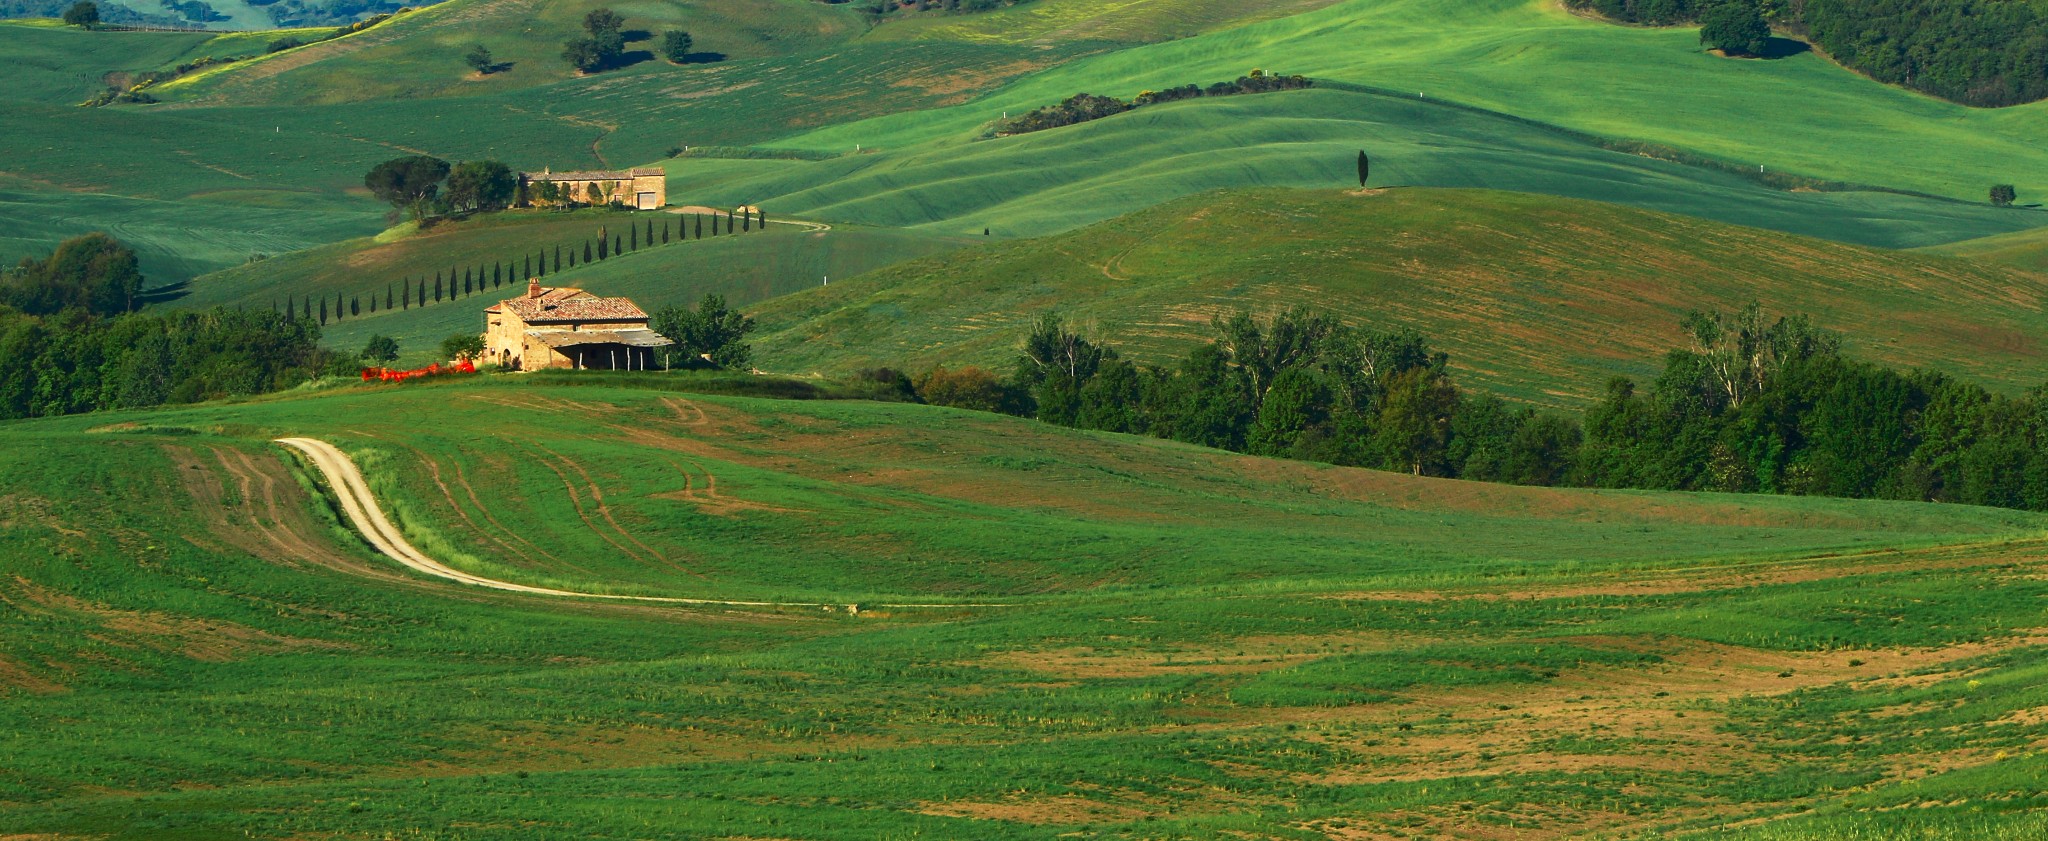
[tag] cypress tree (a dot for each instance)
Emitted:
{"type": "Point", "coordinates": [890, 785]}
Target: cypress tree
{"type": "Point", "coordinates": [615, 245]}
{"type": "Point", "coordinates": [664, 230]}
{"type": "Point", "coordinates": [603, 241]}
{"type": "Point", "coordinates": [633, 238]}
{"type": "Point", "coordinates": [355, 305]}
{"type": "Point", "coordinates": [437, 287]}
{"type": "Point", "coordinates": [497, 274]}
{"type": "Point", "coordinates": [1364, 168]}
{"type": "Point", "coordinates": [465, 284]}
{"type": "Point", "coordinates": [405, 292]}
{"type": "Point", "coordinates": [650, 230]}
{"type": "Point", "coordinates": [586, 252]}
{"type": "Point", "coordinates": [289, 313]}
{"type": "Point", "coordinates": [747, 221]}
{"type": "Point", "coordinates": [529, 265]}
{"type": "Point", "coordinates": [387, 297]}
{"type": "Point", "coordinates": [761, 218]}
{"type": "Point", "coordinates": [323, 310]}
{"type": "Point", "coordinates": [700, 225]}
{"type": "Point", "coordinates": [337, 306]}
{"type": "Point", "coordinates": [572, 258]}
{"type": "Point", "coordinates": [558, 258]}
{"type": "Point", "coordinates": [423, 289]}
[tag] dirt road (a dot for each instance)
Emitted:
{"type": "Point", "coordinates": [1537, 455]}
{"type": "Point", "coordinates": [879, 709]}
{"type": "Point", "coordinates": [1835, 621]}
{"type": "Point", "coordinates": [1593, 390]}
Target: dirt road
{"type": "Point", "coordinates": [369, 520]}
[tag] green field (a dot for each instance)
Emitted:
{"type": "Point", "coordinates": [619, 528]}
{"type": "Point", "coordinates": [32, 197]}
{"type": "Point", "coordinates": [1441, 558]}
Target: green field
{"type": "Point", "coordinates": [1193, 644]}
{"type": "Point", "coordinates": [1531, 59]}
{"type": "Point", "coordinates": [1538, 298]}
{"type": "Point", "coordinates": [1052, 181]}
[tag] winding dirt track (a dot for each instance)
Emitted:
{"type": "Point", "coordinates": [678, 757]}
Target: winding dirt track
{"type": "Point", "coordinates": [363, 513]}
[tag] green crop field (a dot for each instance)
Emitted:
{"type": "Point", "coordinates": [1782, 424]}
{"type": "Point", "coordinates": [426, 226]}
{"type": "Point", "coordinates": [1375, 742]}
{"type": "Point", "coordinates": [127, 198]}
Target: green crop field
{"type": "Point", "coordinates": [1051, 181]}
{"type": "Point", "coordinates": [1177, 642]}
{"type": "Point", "coordinates": [795, 615]}
{"type": "Point", "coordinates": [1534, 297]}
{"type": "Point", "coordinates": [1531, 59]}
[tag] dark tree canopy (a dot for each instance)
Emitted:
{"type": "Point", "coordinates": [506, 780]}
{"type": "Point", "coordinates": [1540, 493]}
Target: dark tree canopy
{"type": "Point", "coordinates": [381, 348]}
{"type": "Point", "coordinates": [481, 185]}
{"type": "Point", "coordinates": [676, 45]}
{"type": "Point", "coordinates": [2004, 194]}
{"type": "Point", "coordinates": [711, 334]}
{"type": "Point", "coordinates": [82, 13]}
{"type": "Point", "coordinates": [1364, 168]}
{"type": "Point", "coordinates": [479, 59]}
{"type": "Point", "coordinates": [409, 182]}
{"type": "Point", "coordinates": [92, 272]}
{"type": "Point", "coordinates": [1735, 28]}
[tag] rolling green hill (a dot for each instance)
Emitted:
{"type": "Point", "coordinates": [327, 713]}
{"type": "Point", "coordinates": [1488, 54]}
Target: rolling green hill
{"type": "Point", "coordinates": [1534, 297]}
{"type": "Point", "coordinates": [1193, 643]}
{"type": "Point", "coordinates": [1051, 181]}
{"type": "Point", "coordinates": [746, 268]}
{"type": "Point", "coordinates": [2026, 249]}
{"type": "Point", "coordinates": [1532, 59]}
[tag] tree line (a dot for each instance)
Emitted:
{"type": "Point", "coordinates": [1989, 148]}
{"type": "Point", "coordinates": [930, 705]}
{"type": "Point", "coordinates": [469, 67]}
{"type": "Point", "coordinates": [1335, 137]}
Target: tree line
{"type": "Point", "coordinates": [1987, 53]}
{"type": "Point", "coordinates": [1751, 405]}
{"type": "Point", "coordinates": [71, 341]}
{"type": "Point", "coordinates": [407, 292]}
{"type": "Point", "coordinates": [1083, 107]}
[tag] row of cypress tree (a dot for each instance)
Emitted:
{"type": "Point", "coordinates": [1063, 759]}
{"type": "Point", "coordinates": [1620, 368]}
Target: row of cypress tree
{"type": "Point", "coordinates": [407, 293]}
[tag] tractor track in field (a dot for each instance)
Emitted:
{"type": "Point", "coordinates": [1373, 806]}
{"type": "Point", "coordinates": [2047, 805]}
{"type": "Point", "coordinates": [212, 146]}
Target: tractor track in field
{"type": "Point", "coordinates": [364, 514]}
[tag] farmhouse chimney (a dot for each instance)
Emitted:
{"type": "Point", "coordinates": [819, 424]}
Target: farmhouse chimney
{"type": "Point", "coordinates": [533, 287]}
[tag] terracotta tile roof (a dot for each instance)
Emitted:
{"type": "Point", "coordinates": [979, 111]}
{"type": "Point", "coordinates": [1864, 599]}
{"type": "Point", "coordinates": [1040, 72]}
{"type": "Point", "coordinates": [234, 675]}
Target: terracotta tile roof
{"type": "Point", "coordinates": [592, 175]}
{"type": "Point", "coordinates": [550, 295]}
{"type": "Point", "coordinates": [544, 310]}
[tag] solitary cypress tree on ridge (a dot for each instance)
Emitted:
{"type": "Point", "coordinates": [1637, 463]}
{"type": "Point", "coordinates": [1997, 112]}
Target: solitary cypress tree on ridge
{"type": "Point", "coordinates": [1364, 168]}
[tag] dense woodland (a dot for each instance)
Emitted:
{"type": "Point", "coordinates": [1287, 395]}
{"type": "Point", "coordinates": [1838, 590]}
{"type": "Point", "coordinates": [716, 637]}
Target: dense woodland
{"type": "Point", "coordinates": [71, 342]}
{"type": "Point", "coordinates": [1978, 52]}
{"type": "Point", "coordinates": [1753, 405]}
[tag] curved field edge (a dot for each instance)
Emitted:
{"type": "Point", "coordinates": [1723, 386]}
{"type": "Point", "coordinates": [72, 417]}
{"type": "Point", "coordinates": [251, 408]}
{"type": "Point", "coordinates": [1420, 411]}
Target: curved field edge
{"type": "Point", "coordinates": [165, 665]}
{"type": "Point", "coordinates": [1532, 59]}
{"type": "Point", "coordinates": [1536, 298]}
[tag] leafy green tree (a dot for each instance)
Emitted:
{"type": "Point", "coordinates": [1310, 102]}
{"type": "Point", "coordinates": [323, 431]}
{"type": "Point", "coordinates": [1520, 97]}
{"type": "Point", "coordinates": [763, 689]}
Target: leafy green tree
{"type": "Point", "coordinates": [409, 183]}
{"type": "Point", "coordinates": [481, 185]}
{"type": "Point", "coordinates": [2004, 195]}
{"type": "Point", "coordinates": [92, 272]}
{"type": "Point", "coordinates": [676, 45]}
{"type": "Point", "coordinates": [602, 47]}
{"type": "Point", "coordinates": [1297, 405]}
{"type": "Point", "coordinates": [1413, 432]}
{"type": "Point", "coordinates": [82, 13]}
{"type": "Point", "coordinates": [463, 346]}
{"type": "Point", "coordinates": [479, 59]}
{"type": "Point", "coordinates": [1736, 27]}
{"type": "Point", "coordinates": [712, 333]}
{"type": "Point", "coordinates": [381, 348]}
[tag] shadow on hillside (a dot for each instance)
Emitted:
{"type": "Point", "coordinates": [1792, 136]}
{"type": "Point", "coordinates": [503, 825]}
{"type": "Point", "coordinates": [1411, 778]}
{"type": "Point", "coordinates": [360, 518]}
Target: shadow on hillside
{"type": "Point", "coordinates": [703, 58]}
{"type": "Point", "coordinates": [634, 36]}
{"type": "Point", "coordinates": [630, 58]}
{"type": "Point", "coordinates": [1784, 48]}
{"type": "Point", "coordinates": [164, 294]}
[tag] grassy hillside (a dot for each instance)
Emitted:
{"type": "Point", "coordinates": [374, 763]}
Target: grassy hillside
{"type": "Point", "coordinates": [2026, 249]}
{"type": "Point", "coordinates": [1532, 59]}
{"type": "Point", "coordinates": [1051, 181]}
{"type": "Point", "coordinates": [1198, 645]}
{"type": "Point", "coordinates": [1533, 297]}
{"type": "Point", "coordinates": [745, 268]}
{"type": "Point", "coordinates": [1055, 21]}
{"type": "Point", "coordinates": [420, 53]}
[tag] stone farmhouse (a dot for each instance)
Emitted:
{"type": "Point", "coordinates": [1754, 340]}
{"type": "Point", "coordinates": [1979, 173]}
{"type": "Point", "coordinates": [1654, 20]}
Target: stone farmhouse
{"type": "Point", "coordinates": [640, 189]}
{"type": "Point", "coordinates": [557, 327]}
